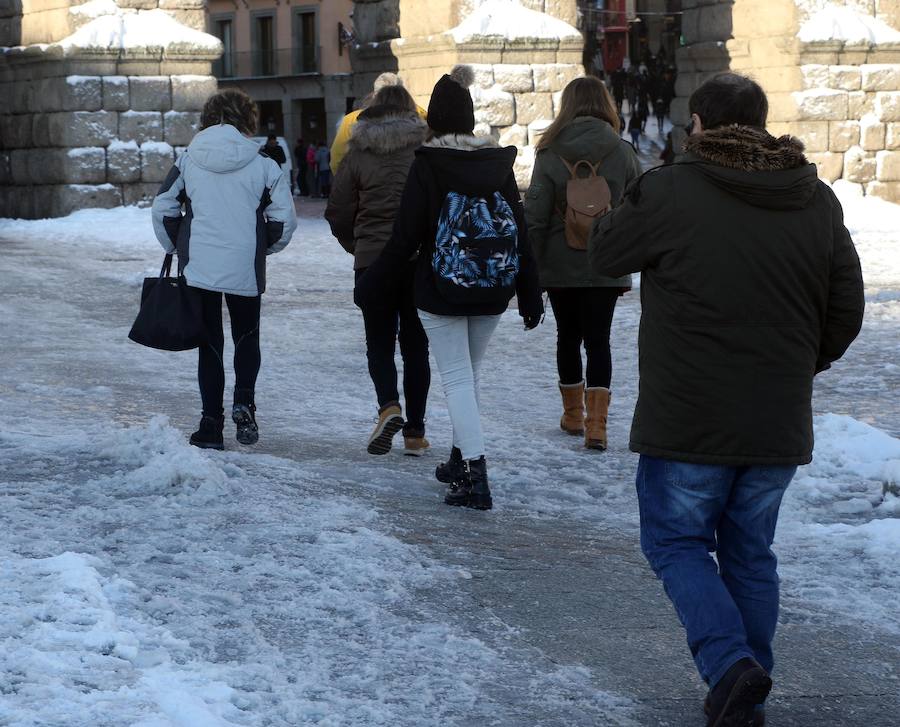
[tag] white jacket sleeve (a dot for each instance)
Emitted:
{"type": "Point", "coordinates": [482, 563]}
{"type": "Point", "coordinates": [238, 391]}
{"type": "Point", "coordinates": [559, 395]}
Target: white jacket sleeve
{"type": "Point", "coordinates": [281, 217]}
{"type": "Point", "coordinates": [166, 209]}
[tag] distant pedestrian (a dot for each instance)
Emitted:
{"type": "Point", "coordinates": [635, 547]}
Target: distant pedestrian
{"type": "Point", "coordinates": [222, 181]}
{"type": "Point", "coordinates": [300, 161]}
{"type": "Point", "coordinates": [323, 169]}
{"type": "Point", "coordinates": [583, 140]}
{"type": "Point", "coordinates": [274, 151]}
{"type": "Point", "coordinates": [361, 211]}
{"type": "Point", "coordinates": [312, 173]}
{"type": "Point", "coordinates": [750, 286]}
{"type": "Point", "coordinates": [660, 111]}
{"type": "Point", "coordinates": [461, 189]}
{"type": "Point", "coordinates": [634, 130]}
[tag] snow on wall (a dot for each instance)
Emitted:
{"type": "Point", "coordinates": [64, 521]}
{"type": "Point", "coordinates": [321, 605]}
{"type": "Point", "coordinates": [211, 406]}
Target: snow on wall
{"type": "Point", "coordinates": [509, 19]}
{"type": "Point", "coordinates": [115, 27]}
{"type": "Point", "coordinates": [842, 23]}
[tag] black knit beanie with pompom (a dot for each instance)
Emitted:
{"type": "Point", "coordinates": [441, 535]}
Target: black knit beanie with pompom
{"type": "Point", "coordinates": [450, 110]}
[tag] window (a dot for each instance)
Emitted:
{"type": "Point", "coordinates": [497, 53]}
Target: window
{"type": "Point", "coordinates": [223, 29]}
{"type": "Point", "coordinates": [263, 45]}
{"type": "Point", "coordinates": [306, 42]}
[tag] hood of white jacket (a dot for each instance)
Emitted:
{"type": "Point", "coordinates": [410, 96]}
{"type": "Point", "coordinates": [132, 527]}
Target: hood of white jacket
{"type": "Point", "coordinates": [222, 148]}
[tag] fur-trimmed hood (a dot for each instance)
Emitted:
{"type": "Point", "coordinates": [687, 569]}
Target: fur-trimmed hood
{"type": "Point", "coordinates": [747, 148]}
{"type": "Point", "coordinates": [475, 165]}
{"type": "Point", "coordinates": [387, 131]}
{"type": "Point", "coordinates": [752, 164]}
{"type": "Point", "coordinates": [462, 142]}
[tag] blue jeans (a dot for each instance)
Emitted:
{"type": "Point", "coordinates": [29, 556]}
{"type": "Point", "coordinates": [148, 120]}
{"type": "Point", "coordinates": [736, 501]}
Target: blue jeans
{"type": "Point", "coordinates": [688, 511]}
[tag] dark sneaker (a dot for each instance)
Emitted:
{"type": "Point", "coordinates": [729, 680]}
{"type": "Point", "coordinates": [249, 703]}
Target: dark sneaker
{"type": "Point", "coordinates": [243, 414]}
{"type": "Point", "coordinates": [390, 421]}
{"type": "Point", "coordinates": [448, 471]}
{"type": "Point", "coordinates": [734, 700]}
{"type": "Point", "coordinates": [209, 434]}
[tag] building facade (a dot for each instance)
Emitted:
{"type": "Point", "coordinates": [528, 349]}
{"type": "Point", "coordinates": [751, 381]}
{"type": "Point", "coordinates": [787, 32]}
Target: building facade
{"type": "Point", "coordinates": [293, 59]}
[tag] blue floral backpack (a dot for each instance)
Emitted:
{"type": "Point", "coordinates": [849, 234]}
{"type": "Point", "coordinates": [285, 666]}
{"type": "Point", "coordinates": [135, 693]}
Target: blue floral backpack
{"type": "Point", "coordinates": [476, 254]}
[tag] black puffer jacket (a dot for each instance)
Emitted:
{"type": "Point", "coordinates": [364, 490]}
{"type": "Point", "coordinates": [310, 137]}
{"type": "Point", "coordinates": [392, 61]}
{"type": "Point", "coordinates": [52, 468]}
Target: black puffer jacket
{"type": "Point", "coordinates": [469, 165]}
{"type": "Point", "coordinates": [751, 285]}
{"type": "Point", "coordinates": [367, 188]}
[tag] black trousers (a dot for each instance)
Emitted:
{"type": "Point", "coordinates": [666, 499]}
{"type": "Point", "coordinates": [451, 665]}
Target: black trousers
{"type": "Point", "coordinates": [395, 318]}
{"type": "Point", "coordinates": [584, 316]}
{"type": "Point", "coordinates": [244, 313]}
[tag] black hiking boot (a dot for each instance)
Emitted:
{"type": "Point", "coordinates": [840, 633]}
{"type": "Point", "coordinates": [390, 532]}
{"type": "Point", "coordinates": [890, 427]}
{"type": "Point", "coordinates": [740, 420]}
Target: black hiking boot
{"type": "Point", "coordinates": [471, 488]}
{"type": "Point", "coordinates": [209, 434]}
{"type": "Point", "coordinates": [448, 471]}
{"type": "Point", "coordinates": [733, 701]}
{"type": "Point", "coordinates": [243, 414]}
{"type": "Point", "coordinates": [759, 713]}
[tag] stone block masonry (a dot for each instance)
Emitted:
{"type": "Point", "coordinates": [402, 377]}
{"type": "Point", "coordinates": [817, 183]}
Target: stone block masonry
{"type": "Point", "coordinates": [75, 139]}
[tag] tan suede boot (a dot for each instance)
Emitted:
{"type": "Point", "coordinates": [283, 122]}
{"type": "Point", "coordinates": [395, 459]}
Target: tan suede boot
{"type": "Point", "coordinates": [390, 421]}
{"type": "Point", "coordinates": [572, 421]}
{"type": "Point", "coordinates": [596, 400]}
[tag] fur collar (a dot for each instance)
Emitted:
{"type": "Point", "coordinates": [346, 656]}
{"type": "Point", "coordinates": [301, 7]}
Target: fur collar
{"type": "Point", "coordinates": [388, 133]}
{"type": "Point", "coordinates": [462, 142]}
{"type": "Point", "coordinates": [747, 148]}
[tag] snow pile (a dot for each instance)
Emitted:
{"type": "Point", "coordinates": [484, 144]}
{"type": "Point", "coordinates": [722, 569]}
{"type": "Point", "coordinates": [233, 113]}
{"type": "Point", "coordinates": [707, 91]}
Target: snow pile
{"type": "Point", "coordinates": [835, 23]}
{"type": "Point", "coordinates": [510, 20]}
{"type": "Point", "coordinates": [125, 28]}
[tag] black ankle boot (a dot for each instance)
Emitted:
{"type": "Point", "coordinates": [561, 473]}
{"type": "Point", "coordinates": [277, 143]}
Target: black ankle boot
{"type": "Point", "coordinates": [448, 471]}
{"type": "Point", "coordinates": [243, 414]}
{"type": "Point", "coordinates": [470, 489]}
{"type": "Point", "coordinates": [209, 434]}
{"type": "Point", "coordinates": [733, 701]}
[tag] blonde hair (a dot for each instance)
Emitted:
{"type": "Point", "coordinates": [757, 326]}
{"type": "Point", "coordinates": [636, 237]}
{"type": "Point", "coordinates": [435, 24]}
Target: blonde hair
{"type": "Point", "coordinates": [586, 96]}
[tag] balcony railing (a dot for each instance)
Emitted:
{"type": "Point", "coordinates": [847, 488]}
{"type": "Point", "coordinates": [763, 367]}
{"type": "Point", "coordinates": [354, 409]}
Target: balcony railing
{"type": "Point", "coordinates": [267, 63]}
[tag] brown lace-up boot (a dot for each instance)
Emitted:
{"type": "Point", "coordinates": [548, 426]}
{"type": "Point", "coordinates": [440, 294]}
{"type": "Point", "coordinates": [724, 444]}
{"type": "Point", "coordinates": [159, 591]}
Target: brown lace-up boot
{"type": "Point", "coordinates": [596, 400]}
{"type": "Point", "coordinates": [572, 421]}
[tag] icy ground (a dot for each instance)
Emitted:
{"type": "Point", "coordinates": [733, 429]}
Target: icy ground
{"type": "Point", "coordinates": [144, 582]}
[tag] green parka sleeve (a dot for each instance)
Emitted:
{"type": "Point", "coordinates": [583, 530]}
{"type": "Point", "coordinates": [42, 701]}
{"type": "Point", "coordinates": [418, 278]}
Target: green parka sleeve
{"type": "Point", "coordinates": [635, 235]}
{"type": "Point", "coordinates": [846, 294]}
{"type": "Point", "coordinates": [540, 204]}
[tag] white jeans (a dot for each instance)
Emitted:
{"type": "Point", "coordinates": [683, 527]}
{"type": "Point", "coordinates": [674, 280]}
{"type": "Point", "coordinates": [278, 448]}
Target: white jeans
{"type": "Point", "coordinates": [458, 344]}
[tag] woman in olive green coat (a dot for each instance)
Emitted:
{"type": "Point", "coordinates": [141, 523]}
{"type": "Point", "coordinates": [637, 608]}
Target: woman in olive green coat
{"type": "Point", "coordinates": [587, 128]}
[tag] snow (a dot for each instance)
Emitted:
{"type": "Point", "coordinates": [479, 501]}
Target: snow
{"type": "Point", "coordinates": [149, 583]}
{"type": "Point", "coordinates": [125, 28]}
{"type": "Point", "coordinates": [509, 19]}
{"type": "Point", "coordinates": [117, 144]}
{"type": "Point", "coordinates": [83, 151]}
{"type": "Point", "coordinates": [835, 23]}
{"type": "Point", "coordinates": [79, 80]}
{"type": "Point", "coordinates": [159, 147]}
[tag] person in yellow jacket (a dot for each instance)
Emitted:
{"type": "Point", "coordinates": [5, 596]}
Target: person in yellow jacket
{"type": "Point", "coordinates": [339, 145]}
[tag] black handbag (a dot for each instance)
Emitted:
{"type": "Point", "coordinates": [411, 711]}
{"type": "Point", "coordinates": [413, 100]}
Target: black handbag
{"type": "Point", "coordinates": [169, 318]}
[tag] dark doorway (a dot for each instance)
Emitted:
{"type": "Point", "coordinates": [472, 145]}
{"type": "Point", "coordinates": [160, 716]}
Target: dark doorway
{"type": "Point", "coordinates": [271, 118]}
{"type": "Point", "coordinates": [312, 120]}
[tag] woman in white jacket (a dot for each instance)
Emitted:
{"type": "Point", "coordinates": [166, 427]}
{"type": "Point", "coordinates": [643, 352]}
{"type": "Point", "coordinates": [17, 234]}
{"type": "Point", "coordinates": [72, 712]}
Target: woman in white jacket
{"type": "Point", "coordinates": [223, 208]}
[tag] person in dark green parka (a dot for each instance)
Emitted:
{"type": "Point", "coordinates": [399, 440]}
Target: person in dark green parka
{"type": "Point", "coordinates": [587, 128]}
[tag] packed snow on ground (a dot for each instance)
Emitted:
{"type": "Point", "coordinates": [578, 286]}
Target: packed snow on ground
{"type": "Point", "coordinates": [834, 22]}
{"type": "Point", "coordinates": [511, 20]}
{"type": "Point", "coordinates": [146, 582]}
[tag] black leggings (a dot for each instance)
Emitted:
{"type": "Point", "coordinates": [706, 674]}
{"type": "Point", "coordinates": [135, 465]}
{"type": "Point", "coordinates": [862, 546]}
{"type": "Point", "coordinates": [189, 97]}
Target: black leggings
{"type": "Point", "coordinates": [584, 315]}
{"type": "Point", "coordinates": [244, 313]}
{"type": "Point", "coordinates": [396, 313]}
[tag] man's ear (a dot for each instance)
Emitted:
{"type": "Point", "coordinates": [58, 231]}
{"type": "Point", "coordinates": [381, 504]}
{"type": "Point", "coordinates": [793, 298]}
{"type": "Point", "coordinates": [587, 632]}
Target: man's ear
{"type": "Point", "coordinates": [696, 125]}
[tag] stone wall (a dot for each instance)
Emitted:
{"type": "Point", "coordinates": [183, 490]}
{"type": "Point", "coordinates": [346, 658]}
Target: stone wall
{"type": "Point", "coordinates": [95, 127]}
{"type": "Point", "coordinates": [518, 80]}
{"type": "Point", "coordinates": [841, 98]}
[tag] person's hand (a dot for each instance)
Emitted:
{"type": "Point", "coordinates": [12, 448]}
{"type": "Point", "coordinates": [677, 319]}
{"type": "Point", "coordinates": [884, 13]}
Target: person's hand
{"type": "Point", "coordinates": [531, 322]}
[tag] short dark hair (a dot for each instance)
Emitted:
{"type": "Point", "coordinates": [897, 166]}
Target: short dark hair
{"type": "Point", "coordinates": [231, 106]}
{"type": "Point", "coordinates": [730, 98]}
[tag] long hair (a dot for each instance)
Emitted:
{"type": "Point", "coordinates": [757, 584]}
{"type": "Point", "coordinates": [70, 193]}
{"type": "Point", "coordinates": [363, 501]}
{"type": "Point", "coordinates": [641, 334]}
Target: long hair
{"type": "Point", "coordinates": [231, 106]}
{"type": "Point", "coordinates": [586, 96]}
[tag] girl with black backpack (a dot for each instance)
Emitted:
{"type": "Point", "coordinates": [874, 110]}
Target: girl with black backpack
{"type": "Point", "coordinates": [586, 134]}
{"type": "Point", "coordinates": [461, 213]}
